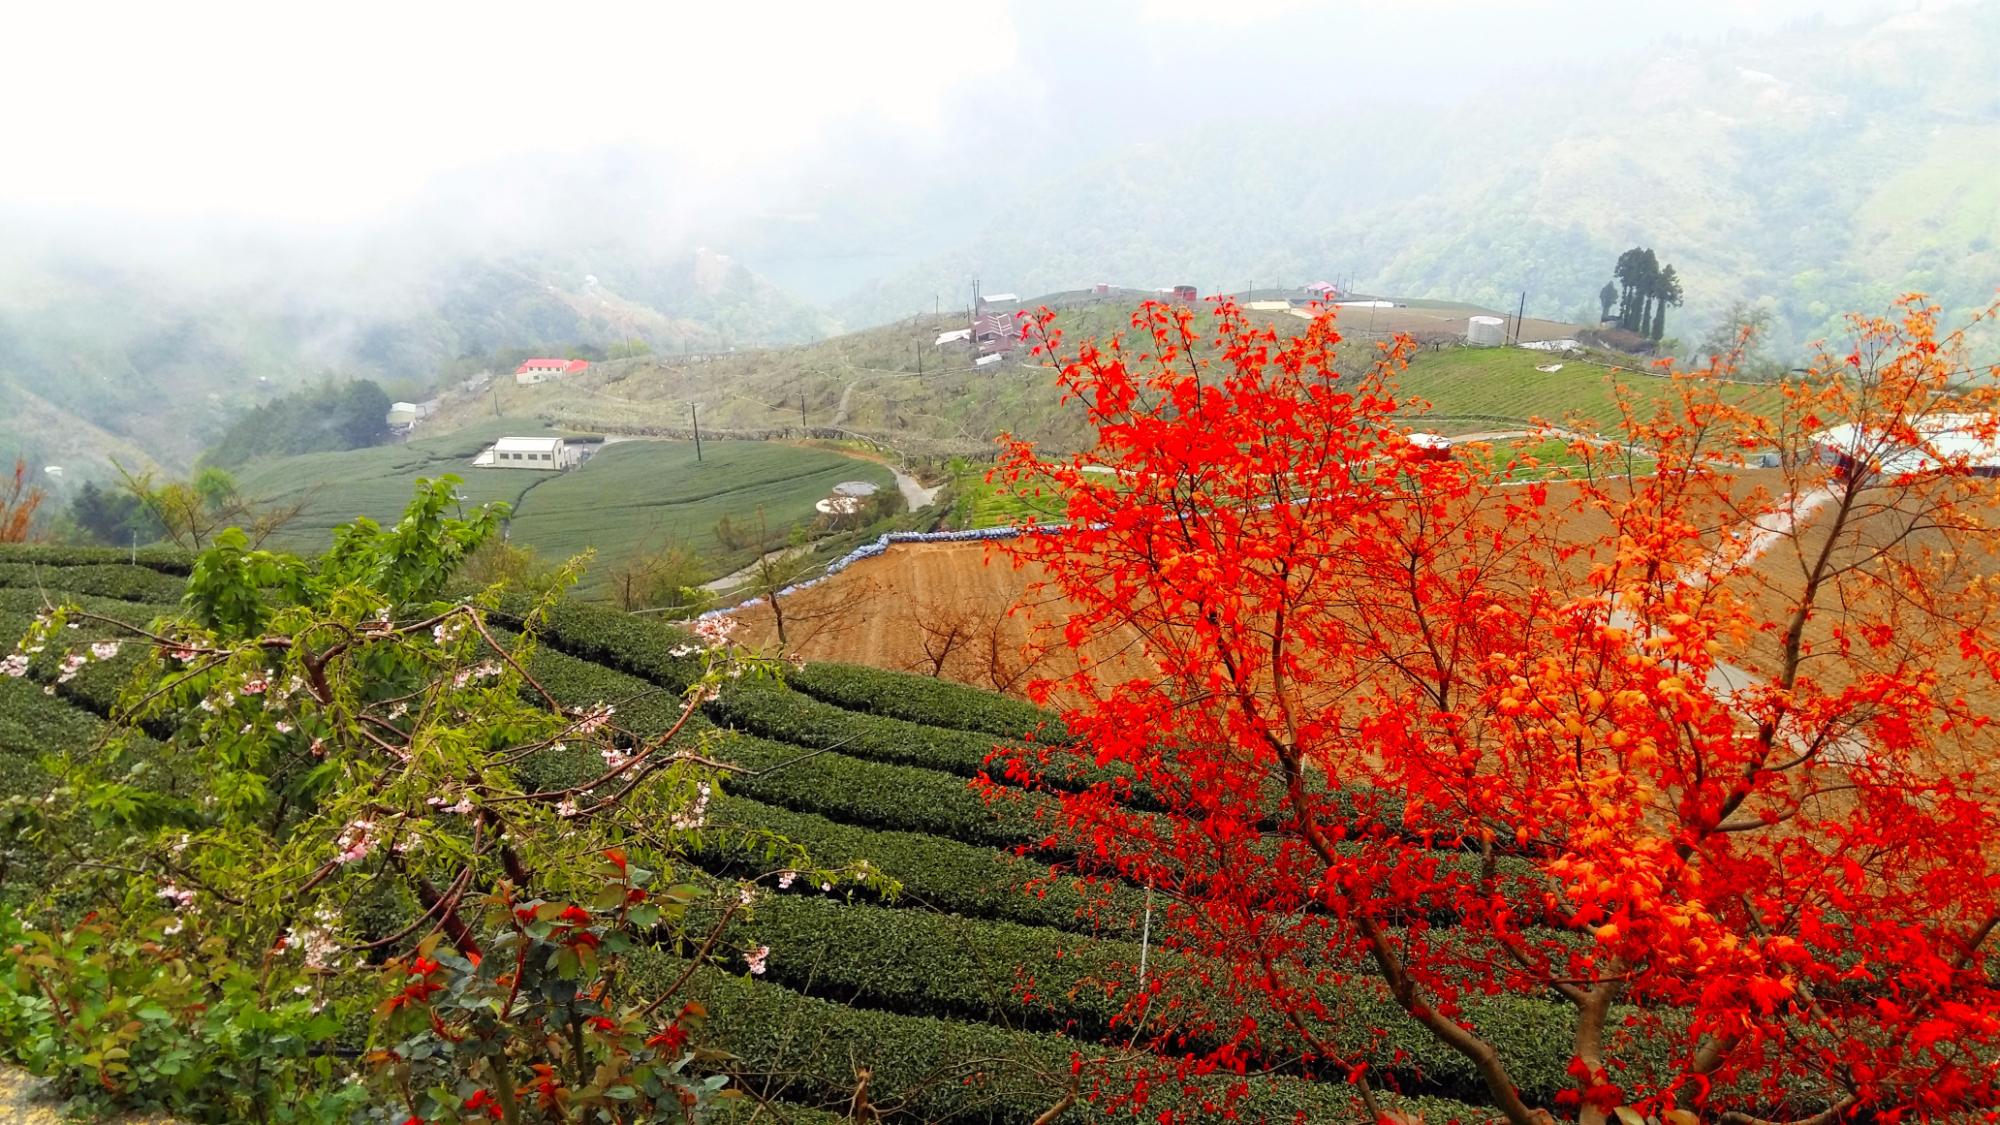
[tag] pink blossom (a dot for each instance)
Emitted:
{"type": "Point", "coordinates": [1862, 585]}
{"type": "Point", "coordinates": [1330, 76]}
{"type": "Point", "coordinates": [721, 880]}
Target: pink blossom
{"type": "Point", "coordinates": [566, 808]}
{"type": "Point", "coordinates": [283, 727]}
{"type": "Point", "coordinates": [71, 664]}
{"type": "Point", "coordinates": [756, 958]}
{"type": "Point", "coordinates": [356, 841]}
{"type": "Point", "coordinates": [785, 879]}
{"type": "Point", "coordinates": [715, 631]}
{"type": "Point", "coordinates": [104, 650]}
{"type": "Point", "coordinates": [15, 665]}
{"type": "Point", "coordinates": [319, 748]}
{"type": "Point", "coordinates": [181, 899]}
{"type": "Point", "coordinates": [255, 685]}
{"type": "Point", "coordinates": [595, 718]}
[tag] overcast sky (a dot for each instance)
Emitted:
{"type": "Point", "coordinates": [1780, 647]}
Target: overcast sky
{"type": "Point", "coordinates": [325, 113]}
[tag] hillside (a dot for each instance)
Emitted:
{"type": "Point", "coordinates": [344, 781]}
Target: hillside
{"type": "Point", "coordinates": [633, 499]}
{"type": "Point", "coordinates": [1823, 169]}
{"type": "Point", "coordinates": [874, 767]}
{"type": "Point", "coordinates": [894, 385]}
{"type": "Point", "coordinates": [149, 360]}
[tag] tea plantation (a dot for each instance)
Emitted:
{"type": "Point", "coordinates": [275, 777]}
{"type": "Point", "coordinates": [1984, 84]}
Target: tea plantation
{"type": "Point", "coordinates": [966, 996]}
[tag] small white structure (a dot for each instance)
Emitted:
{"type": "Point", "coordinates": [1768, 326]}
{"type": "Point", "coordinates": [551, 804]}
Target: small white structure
{"type": "Point", "coordinates": [1970, 442]}
{"type": "Point", "coordinates": [403, 413]}
{"type": "Point", "coordinates": [999, 298]}
{"type": "Point", "coordinates": [952, 337]}
{"type": "Point", "coordinates": [1431, 447]}
{"type": "Point", "coordinates": [549, 453]}
{"type": "Point", "coordinates": [1485, 331]}
{"type": "Point", "coordinates": [987, 360]}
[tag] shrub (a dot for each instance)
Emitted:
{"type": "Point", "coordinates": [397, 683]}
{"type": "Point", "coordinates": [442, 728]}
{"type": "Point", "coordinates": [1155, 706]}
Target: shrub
{"type": "Point", "coordinates": [640, 645]}
{"type": "Point", "coordinates": [165, 559]}
{"type": "Point", "coordinates": [111, 580]}
{"type": "Point", "coordinates": [941, 874]}
{"type": "Point", "coordinates": [944, 1070]}
{"type": "Point", "coordinates": [848, 788]}
{"type": "Point", "coordinates": [918, 962]}
{"type": "Point", "coordinates": [923, 699]}
{"type": "Point", "coordinates": [121, 1020]}
{"type": "Point", "coordinates": [880, 795]}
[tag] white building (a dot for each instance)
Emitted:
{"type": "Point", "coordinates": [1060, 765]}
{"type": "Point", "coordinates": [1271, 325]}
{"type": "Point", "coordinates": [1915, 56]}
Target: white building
{"type": "Point", "coordinates": [1953, 442]}
{"type": "Point", "coordinates": [550, 453]}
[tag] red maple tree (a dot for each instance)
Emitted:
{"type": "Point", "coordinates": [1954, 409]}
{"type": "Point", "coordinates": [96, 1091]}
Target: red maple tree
{"type": "Point", "coordinates": [18, 501]}
{"type": "Point", "coordinates": [1698, 749]}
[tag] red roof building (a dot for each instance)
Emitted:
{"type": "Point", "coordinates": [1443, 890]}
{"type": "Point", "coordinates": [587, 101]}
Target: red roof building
{"type": "Point", "coordinates": [543, 369]}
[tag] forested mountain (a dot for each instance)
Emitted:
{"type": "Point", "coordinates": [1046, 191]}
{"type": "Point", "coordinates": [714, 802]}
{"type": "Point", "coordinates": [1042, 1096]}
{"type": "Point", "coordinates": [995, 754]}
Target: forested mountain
{"type": "Point", "coordinates": [1821, 169]}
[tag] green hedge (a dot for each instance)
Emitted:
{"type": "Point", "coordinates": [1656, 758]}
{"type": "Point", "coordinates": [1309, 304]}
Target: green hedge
{"type": "Point", "coordinates": [879, 795]}
{"type": "Point", "coordinates": [942, 1070]}
{"type": "Point", "coordinates": [166, 560]}
{"type": "Point", "coordinates": [111, 580]}
{"type": "Point", "coordinates": [847, 788]}
{"type": "Point", "coordinates": [776, 712]}
{"type": "Point", "coordinates": [642, 646]}
{"type": "Point", "coordinates": [924, 699]}
{"type": "Point", "coordinates": [918, 962]}
{"type": "Point", "coordinates": [942, 874]}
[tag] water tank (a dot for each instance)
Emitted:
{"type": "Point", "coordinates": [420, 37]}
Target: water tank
{"type": "Point", "coordinates": [1485, 331]}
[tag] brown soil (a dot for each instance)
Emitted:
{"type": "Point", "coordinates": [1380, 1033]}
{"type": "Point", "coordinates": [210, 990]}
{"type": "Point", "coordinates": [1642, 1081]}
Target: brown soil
{"type": "Point", "coordinates": [896, 610]}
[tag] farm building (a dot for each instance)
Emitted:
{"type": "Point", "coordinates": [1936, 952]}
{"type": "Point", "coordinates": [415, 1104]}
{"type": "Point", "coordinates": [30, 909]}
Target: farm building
{"type": "Point", "coordinates": [408, 413]}
{"type": "Point", "coordinates": [1943, 440]}
{"type": "Point", "coordinates": [994, 330]}
{"type": "Point", "coordinates": [552, 453]}
{"type": "Point", "coordinates": [534, 371]}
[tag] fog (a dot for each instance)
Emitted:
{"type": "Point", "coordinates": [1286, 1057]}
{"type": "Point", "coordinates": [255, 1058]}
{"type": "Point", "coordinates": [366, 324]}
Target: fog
{"type": "Point", "coordinates": [140, 122]}
{"type": "Point", "coordinates": [202, 196]}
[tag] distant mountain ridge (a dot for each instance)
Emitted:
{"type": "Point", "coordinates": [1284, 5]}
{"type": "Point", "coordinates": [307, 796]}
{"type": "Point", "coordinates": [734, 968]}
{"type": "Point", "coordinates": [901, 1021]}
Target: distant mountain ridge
{"type": "Point", "coordinates": [153, 362]}
{"type": "Point", "coordinates": [1822, 170]}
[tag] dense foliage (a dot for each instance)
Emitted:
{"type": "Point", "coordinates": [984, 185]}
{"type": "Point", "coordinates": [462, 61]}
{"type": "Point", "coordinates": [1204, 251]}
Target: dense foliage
{"type": "Point", "coordinates": [1715, 744]}
{"type": "Point", "coordinates": [337, 853]}
{"type": "Point", "coordinates": [329, 416]}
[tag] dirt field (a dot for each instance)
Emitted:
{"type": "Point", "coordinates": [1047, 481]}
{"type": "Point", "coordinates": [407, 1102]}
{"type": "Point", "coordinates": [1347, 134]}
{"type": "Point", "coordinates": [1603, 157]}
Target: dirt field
{"type": "Point", "coordinates": [924, 607]}
{"type": "Point", "coordinates": [954, 609]}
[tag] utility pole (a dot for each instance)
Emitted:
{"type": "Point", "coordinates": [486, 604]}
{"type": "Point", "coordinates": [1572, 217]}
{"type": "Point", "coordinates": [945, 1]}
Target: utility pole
{"type": "Point", "coordinates": [802, 412]}
{"type": "Point", "coordinates": [1518, 313]}
{"type": "Point", "coordinates": [920, 357]}
{"type": "Point", "coordinates": [496, 396]}
{"type": "Point", "coordinates": [695, 409]}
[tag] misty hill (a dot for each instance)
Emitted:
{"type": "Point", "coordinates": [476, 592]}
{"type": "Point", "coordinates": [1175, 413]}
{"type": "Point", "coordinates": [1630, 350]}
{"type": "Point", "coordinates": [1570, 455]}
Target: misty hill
{"type": "Point", "coordinates": [151, 358]}
{"type": "Point", "coordinates": [1824, 169]}
{"type": "Point", "coordinates": [896, 385]}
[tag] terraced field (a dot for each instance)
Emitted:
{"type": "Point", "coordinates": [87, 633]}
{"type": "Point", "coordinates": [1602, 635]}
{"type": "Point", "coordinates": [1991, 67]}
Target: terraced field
{"type": "Point", "coordinates": [633, 498]}
{"type": "Point", "coordinates": [1473, 390]}
{"type": "Point", "coordinates": [926, 990]}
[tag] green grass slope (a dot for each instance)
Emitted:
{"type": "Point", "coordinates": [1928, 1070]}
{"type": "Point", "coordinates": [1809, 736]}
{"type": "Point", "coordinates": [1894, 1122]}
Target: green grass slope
{"type": "Point", "coordinates": [640, 495]}
{"type": "Point", "coordinates": [631, 498]}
